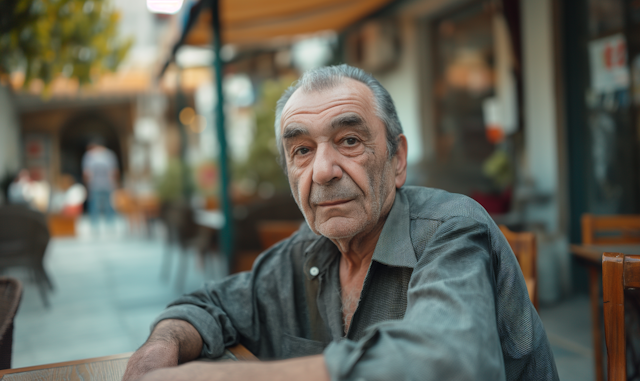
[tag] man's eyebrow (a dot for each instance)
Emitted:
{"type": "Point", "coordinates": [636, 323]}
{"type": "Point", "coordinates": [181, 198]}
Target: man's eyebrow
{"type": "Point", "coordinates": [293, 131]}
{"type": "Point", "coordinates": [347, 120]}
{"type": "Point", "coordinates": [353, 121]}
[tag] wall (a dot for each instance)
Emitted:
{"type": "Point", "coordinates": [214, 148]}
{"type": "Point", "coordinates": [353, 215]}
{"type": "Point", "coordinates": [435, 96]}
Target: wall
{"type": "Point", "coordinates": [539, 103]}
{"type": "Point", "coordinates": [541, 146]}
{"type": "Point", "coordinates": [10, 154]}
{"type": "Point", "coordinates": [405, 89]}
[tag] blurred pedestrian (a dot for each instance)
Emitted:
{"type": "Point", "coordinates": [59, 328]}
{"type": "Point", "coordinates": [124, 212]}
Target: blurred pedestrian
{"type": "Point", "coordinates": [100, 171]}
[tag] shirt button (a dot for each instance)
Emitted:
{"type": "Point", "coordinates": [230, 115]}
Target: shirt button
{"type": "Point", "coordinates": [314, 271]}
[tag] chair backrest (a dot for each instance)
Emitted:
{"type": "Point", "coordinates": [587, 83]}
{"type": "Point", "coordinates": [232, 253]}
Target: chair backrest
{"type": "Point", "coordinates": [524, 247]}
{"type": "Point", "coordinates": [272, 232]}
{"type": "Point", "coordinates": [10, 295]}
{"type": "Point", "coordinates": [615, 229]}
{"type": "Point", "coordinates": [180, 221]}
{"type": "Point", "coordinates": [280, 207]}
{"type": "Point", "coordinates": [619, 272]}
{"type": "Point", "coordinates": [123, 202]}
{"type": "Point", "coordinates": [28, 228]}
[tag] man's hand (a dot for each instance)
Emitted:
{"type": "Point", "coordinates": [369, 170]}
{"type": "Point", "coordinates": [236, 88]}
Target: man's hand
{"type": "Point", "coordinates": [172, 342]}
{"type": "Point", "coordinates": [305, 368]}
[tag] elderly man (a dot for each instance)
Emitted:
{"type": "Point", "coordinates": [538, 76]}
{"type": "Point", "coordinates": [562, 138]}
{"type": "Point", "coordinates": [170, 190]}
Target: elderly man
{"type": "Point", "coordinates": [384, 282]}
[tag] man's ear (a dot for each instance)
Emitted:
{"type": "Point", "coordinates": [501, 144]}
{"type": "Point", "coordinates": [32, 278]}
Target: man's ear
{"type": "Point", "coordinates": [401, 161]}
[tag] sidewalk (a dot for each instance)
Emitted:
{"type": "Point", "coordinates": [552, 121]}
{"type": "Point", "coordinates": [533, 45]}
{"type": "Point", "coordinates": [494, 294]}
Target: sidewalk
{"type": "Point", "coordinates": [568, 326]}
{"type": "Point", "coordinates": [108, 290]}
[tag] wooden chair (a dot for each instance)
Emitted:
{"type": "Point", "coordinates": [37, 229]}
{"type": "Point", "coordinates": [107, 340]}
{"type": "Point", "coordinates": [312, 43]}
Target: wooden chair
{"type": "Point", "coordinates": [610, 230]}
{"type": "Point", "coordinates": [10, 295]}
{"type": "Point", "coordinates": [605, 230]}
{"type": "Point", "coordinates": [524, 247]}
{"type": "Point", "coordinates": [272, 232]}
{"type": "Point", "coordinates": [619, 272]}
{"type": "Point", "coordinates": [263, 223]}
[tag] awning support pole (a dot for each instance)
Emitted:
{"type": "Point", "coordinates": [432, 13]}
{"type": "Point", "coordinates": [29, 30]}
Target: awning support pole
{"type": "Point", "coordinates": [227, 230]}
{"type": "Point", "coordinates": [184, 145]}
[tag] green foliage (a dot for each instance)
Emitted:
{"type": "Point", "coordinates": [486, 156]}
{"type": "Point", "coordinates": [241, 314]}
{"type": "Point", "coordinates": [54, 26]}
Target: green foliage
{"type": "Point", "coordinates": [45, 38]}
{"type": "Point", "coordinates": [498, 168]}
{"type": "Point", "coordinates": [261, 165]}
{"type": "Point", "coordinates": [169, 185]}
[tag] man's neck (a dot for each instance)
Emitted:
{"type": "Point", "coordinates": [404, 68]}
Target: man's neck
{"type": "Point", "coordinates": [358, 250]}
{"type": "Point", "coordinates": [354, 264]}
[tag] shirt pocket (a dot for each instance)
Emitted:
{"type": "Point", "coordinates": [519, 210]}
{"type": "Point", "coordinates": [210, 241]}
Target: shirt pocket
{"type": "Point", "coordinates": [299, 347]}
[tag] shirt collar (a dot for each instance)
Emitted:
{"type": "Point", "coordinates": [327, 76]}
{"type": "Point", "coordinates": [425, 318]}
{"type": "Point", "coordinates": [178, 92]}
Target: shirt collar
{"type": "Point", "coordinates": [319, 255]}
{"type": "Point", "coordinates": [394, 247]}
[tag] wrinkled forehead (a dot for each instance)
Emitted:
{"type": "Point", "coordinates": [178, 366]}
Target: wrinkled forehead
{"type": "Point", "coordinates": [346, 94]}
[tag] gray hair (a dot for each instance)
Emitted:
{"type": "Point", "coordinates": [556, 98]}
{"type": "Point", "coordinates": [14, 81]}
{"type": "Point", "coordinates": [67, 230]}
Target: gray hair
{"type": "Point", "coordinates": [329, 77]}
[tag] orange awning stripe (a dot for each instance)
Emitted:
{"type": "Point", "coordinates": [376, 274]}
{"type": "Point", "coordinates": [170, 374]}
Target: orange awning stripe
{"type": "Point", "coordinates": [252, 21]}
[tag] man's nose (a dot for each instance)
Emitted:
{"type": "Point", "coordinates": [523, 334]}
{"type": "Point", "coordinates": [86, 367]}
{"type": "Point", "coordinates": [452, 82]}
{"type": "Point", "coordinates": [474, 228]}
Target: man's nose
{"type": "Point", "coordinates": [325, 165]}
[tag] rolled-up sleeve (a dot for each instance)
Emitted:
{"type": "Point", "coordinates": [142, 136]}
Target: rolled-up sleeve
{"type": "Point", "coordinates": [232, 310]}
{"type": "Point", "coordinates": [215, 314]}
{"type": "Point", "coordinates": [449, 331]}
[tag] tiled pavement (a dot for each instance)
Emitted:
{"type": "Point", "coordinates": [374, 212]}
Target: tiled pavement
{"type": "Point", "coordinates": [109, 289]}
{"type": "Point", "coordinates": [568, 326]}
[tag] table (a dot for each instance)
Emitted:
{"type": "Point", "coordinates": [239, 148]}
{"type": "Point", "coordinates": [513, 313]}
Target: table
{"type": "Point", "coordinates": [592, 255]}
{"type": "Point", "coordinates": [108, 368]}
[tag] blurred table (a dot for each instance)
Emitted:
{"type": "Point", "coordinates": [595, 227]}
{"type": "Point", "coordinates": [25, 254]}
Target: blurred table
{"type": "Point", "coordinates": [108, 368]}
{"type": "Point", "coordinates": [592, 256]}
{"type": "Point", "coordinates": [593, 253]}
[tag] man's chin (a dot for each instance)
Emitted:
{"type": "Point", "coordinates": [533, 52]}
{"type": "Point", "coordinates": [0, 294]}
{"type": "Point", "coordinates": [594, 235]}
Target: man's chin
{"type": "Point", "coordinates": [339, 228]}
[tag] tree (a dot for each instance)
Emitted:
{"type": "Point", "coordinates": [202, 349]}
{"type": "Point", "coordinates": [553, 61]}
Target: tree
{"type": "Point", "coordinates": [46, 38]}
{"type": "Point", "coordinates": [262, 165]}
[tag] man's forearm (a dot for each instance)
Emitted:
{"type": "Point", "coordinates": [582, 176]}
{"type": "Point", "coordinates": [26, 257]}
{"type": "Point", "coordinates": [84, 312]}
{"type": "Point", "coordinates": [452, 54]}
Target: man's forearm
{"type": "Point", "coordinates": [180, 333]}
{"type": "Point", "coordinates": [305, 368]}
{"type": "Point", "coordinates": [172, 342]}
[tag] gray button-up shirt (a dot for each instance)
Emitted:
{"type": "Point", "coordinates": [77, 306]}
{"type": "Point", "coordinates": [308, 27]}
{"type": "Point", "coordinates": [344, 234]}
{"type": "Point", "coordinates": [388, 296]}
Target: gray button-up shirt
{"type": "Point", "coordinates": [443, 299]}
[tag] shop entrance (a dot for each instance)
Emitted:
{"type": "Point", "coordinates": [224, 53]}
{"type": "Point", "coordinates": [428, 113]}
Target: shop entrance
{"type": "Point", "coordinates": [78, 133]}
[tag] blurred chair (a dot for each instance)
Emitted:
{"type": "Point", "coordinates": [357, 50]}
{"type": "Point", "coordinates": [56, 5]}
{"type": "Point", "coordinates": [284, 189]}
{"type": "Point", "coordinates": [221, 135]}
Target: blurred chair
{"type": "Point", "coordinates": [10, 296]}
{"type": "Point", "coordinates": [183, 231]}
{"type": "Point", "coordinates": [619, 272]}
{"type": "Point", "coordinates": [150, 208]}
{"type": "Point", "coordinates": [524, 247]}
{"type": "Point", "coordinates": [610, 230]}
{"type": "Point", "coordinates": [272, 232]}
{"type": "Point", "coordinates": [280, 210]}
{"type": "Point", "coordinates": [61, 226]}
{"type": "Point", "coordinates": [24, 237]}
{"type": "Point", "coordinates": [140, 210]}
{"type": "Point", "coordinates": [124, 203]}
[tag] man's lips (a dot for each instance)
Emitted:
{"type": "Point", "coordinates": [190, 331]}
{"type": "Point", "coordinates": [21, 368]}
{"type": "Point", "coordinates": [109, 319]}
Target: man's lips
{"type": "Point", "coordinates": [333, 203]}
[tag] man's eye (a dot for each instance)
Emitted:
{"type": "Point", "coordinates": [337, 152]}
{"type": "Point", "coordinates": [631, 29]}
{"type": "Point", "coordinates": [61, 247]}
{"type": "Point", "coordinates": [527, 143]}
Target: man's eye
{"type": "Point", "coordinates": [351, 141]}
{"type": "Point", "coordinates": [301, 151]}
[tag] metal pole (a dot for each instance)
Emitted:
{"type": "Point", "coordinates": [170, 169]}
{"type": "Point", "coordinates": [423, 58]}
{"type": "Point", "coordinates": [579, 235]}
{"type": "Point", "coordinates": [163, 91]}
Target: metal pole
{"type": "Point", "coordinates": [227, 230]}
{"type": "Point", "coordinates": [184, 167]}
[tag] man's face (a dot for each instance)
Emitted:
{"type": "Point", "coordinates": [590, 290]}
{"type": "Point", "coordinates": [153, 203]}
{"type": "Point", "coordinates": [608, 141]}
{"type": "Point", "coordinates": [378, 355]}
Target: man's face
{"type": "Point", "coordinates": [337, 160]}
